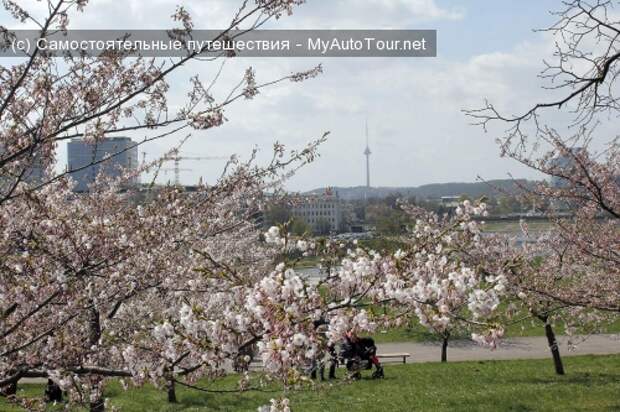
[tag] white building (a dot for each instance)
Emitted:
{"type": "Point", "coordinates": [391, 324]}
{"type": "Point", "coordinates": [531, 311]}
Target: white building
{"type": "Point", "coordinates": [323, 213]}
{"type": "Point", "coordinates": [450, 202]}
{"type": "Point", "coordinates": [82, 155]}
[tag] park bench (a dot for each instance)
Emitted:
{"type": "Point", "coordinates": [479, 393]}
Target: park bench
{"type": "Point", "coordinates": [402, 356]}
{"type": "Point", "coordinates": [257, 362]}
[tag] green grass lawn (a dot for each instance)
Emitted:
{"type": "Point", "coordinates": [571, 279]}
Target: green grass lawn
{"type": "Point", "coordinates": [592, 383]}
{"type": "Point", "coordinates": [513, 226]}
{"type": "Point", "coordinates": [308, 262]}
{"type": "Point", "coordinates": [530, 327]}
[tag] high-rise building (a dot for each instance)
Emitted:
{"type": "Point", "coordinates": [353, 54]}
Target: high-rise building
{"type": "Point", "coordinates": [87, 160]}
{"type": "Point", "coordinates": [35, 173]}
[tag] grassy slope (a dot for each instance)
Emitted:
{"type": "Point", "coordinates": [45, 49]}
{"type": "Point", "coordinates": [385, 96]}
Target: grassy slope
{"type": "Point", "coordinates": [592, 384]}
{"type": "Point", "coordinates": [418, 333]}
{"type": "Point", "coordinates": [513, 227]}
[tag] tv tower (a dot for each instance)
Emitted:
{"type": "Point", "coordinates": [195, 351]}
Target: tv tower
{"type": "Point", "coordinates": [367, 153]}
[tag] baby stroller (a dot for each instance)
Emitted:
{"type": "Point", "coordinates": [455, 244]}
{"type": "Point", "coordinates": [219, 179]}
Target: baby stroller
{"type": "Point", "coordinates": [359, 353]}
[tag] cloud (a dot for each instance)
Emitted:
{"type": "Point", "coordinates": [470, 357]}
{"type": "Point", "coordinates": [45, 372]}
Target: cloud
{"type": "Point", "coordinates": [370, 14]}
{"type": "Point", "coordinates": [422, 9]}
{"type": "Point", "coordinates": [418, 133]}
{"type": "Point", "coordinates": [314, 14]}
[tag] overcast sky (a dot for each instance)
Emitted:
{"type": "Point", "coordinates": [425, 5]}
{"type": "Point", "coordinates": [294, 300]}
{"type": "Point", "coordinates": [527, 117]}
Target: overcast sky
{"type": "Point", "coordinates": [418, 134]}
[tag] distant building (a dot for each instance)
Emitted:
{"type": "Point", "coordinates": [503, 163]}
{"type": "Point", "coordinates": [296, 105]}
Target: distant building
{"type": "Point", "coordinates": [450, 202]}
{"type": "Point", "coordinates": [81, 154]}
{"type": "Point", "coordinates": [323, 213]}
{"type": "Point", "coordinates": [35, 174]}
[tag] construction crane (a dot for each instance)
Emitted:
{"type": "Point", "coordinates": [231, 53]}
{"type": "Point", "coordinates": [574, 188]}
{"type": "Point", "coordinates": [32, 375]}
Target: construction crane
{"type": "Point", "coordinates": [177, 164]}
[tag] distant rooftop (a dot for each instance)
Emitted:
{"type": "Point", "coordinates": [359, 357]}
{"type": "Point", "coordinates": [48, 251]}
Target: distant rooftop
{"type": "Point", "coordinates": [117, 139]}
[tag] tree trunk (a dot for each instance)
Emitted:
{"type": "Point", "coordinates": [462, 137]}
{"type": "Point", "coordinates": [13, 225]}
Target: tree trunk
{"type": "Point", "coordinates": [553, 345]}
{"type": "Point", "coordinates": [555, 350]}
{"type": "Point", "coordinates": [97, 406]}
{"type": "Point", "coordinates": [444, 348]}
{"type": "Point", "coordinates": [172, 396]}
{"type": "Point", "coordinates": [94, 334]}
{"type": "Point", "coordinates": [94, 327]}
{"type": "Point", "coordinates": [170, 386]}
{"type": "Point", "coordinates": [9, 390]}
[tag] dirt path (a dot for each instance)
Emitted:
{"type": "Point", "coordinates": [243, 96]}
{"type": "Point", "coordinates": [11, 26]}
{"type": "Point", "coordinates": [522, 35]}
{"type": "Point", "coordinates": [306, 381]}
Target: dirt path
{"type": "Point", "coordinates": [515, 348]}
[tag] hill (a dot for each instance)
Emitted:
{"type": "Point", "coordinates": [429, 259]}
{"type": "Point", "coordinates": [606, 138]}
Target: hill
{"type": "Point", "coordinates": [491, 188]}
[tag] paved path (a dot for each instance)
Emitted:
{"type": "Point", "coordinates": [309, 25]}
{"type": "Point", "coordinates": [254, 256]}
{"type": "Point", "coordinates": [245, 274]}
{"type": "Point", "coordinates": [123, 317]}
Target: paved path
{"type": "Point", "coordinates": [514, 348]}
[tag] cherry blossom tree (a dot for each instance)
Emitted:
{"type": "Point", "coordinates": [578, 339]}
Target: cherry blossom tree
{"type": "Point", "coordinates": [126, 269]}
{"type": "Point", "coordinates": [580, 267]}
{"type": "Point", "coordinates": [444, 277]}
{"type": "Point", "coordinates": [84, 273]}
{"type": "Point", "coordinates": [86, 277]}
